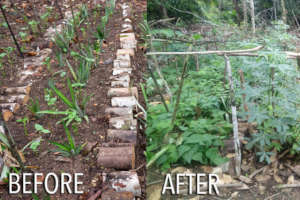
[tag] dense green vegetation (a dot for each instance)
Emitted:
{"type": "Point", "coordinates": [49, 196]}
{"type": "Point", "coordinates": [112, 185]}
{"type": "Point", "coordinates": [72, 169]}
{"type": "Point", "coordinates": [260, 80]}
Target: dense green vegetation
{"type": "Point", "coordinates": [270, 92]}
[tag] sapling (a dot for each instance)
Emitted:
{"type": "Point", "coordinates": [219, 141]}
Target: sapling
{"type": "Point", "coordinates": [68, 149]}
{"type": "Point", "coordinates": [24, 120]}
{"type": "Point", "coordinates": [34, 107]}
{"type": "Point", "coordinates": [34, 26]}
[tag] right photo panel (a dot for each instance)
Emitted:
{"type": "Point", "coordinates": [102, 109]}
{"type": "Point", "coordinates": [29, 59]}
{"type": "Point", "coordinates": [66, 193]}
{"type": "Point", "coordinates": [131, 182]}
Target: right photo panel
{"type": "Point", "coordinates": [222, 97]}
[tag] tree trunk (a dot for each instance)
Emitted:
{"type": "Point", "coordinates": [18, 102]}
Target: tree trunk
{"type": "Point", "coordinates": [252, 16]}
{"type": "Point", "coordinates": [238, 11]}
{"type": "Point", "coordinates": [245, 13]}
{"type": "Point", "coordinates": [284, 12]}
{"type": "Point", "coordinates": [237, 146]}
{"type": "Point", "coordinates": [275, 9]}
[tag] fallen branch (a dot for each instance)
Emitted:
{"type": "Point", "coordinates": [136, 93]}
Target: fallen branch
{"type": "Point", "coordinates": [282, 186]}
{"type": "Point", "coordinates": [207, 52]}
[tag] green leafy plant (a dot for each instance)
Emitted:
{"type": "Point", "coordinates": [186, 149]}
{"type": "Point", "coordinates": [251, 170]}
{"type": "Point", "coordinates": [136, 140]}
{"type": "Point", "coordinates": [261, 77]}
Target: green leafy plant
{"type": "Point", "coordinates": [75, 111]}
{"type": "Point", "coordinates": [34, 26]}
{"type": "Point", "coordinates": [68, 149]}
{"type": "Point", "coordinates": [200, 126]}
{"type": "Point", "coordinates": [41, 129]}
{"type": "Point", "coordinates": [34, 107]}
{"type": "Point", "coordinates": [24, 121]}
{"type": "Point", "coordinates": [33, 145]}
{"type": "Point", "coordinates": [49, 97]}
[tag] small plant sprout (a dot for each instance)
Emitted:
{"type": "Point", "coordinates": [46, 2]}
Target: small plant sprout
{"type": "Point", "coordinates": [68, 149]}
{"type": "Point", "coordinates": [75, 111]}
{"type": "Point", "coordinates": [34, 26]}
{"type": "Point", "coordinates": [47, 62]}
{"type": "Point", "coordinates": [24, 120]}
{"type": "Point", "coordinates": [33, 145]}
{"type": "Point", "coordinates": [49, 98]}
{"type": "Point", "coordinates": [41, 129]}
{"type": "Point", "coordinates": [34, 107]}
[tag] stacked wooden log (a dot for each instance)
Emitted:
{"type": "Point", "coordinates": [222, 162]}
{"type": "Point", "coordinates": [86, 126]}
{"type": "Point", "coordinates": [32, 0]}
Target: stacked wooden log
{"type": "Point", "coordinates": [123, 126]}
{"type": "Point", "coordinates": [11, 98]}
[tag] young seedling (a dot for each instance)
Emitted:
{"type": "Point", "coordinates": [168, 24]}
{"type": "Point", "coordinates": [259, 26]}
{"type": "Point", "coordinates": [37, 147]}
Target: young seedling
{"type": "Point", "coordinates": [47, 63]}
{"type": "Point", "coordinates": [33, 145]}
{"type": "Point", "coordinates": [68, 149]}
{"type": "Point", "coordinates": [24, 120]}
{"type": "Point", "coordinates": [75, 111]}
{"type": "Point", "coordinates": [34, 26]}
{"type": "Point", "coordinates": [34, 107]}
{"type": "Point", "coordinates": [40, 128]}
{"type": "Point", "coordinates": [49, 98]}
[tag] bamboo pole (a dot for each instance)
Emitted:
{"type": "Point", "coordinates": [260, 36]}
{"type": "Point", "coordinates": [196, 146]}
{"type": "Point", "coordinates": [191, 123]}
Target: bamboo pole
{"type": "Point", "coordinates": [246, 52]}
{"type": "Point", "coordinates": [158, 88]}
{"type": "Point", "coordinates": [221, 52]}
{"type": "Point", "coordinates": [237, 146]}
{"type": "Point", "coordinates": [180, 88]}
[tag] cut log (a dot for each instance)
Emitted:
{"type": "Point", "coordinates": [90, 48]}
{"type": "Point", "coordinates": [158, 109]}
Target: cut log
{"type": "Point", "coordinates": [13, 107]}
{"type": "Point", "coordinates": [118, 71]}
{"type": "Point", "coordinates": [119, 111]}
{"type": "Point", "coordinates": [37, 61]}
{"type": "Point", "coordinates": [128, 41]}
{"type": "Point", "coordinates": [127, 20]}
{"type": "Point", "coordinates": [120, 84]}
{"type": "Point", "coordinates": [126, 136]}
{"type": "Point", "coordinates": [113, 195]}
{"type": "Point", "coordinates": [118, 157]}
{"type": "Point", "coordinates": [123, 181]}
{"type": "Point", "coordinates": [15, 90]}
{"type": "Point", "coordinates": [123, 57]}
{"type": "Point", "coordinates": [22, 99]}
{"type": "Point", "coordinates": [127, 27]}
{"type": "Point", "coordinates": [125, 51]}
{"type": "Point", "coordinates": [124, 123]}
{"type": "Point", "coordinates": [122, 92]}
{"type": "Point", "coordinates": [122, 63]}
{"type": "Point", "coordinates": [122, 77]}
{"type": "Point", "coordinates": [123, 101]}
{"type": "Point", "coordinates": [7, 115]}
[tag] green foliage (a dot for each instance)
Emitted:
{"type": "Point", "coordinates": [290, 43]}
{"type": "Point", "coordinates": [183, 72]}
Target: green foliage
{"type": "Point", "coordinates": [75, 111]}
{"type": "Point", "coordinates": [33, 145]}
{"type": "Point", "coordinates": [40, 128]}
{"type": "Point", "coordinates": [24, 121]}
{"type": "Point", "coordinates": [63, 40]}
{"type": "Point", "coordinates": [68, 149]}
{"type": "Point", "coordinates": [200, 124]}
{"type": "Point", "coordinates": [34, 107]}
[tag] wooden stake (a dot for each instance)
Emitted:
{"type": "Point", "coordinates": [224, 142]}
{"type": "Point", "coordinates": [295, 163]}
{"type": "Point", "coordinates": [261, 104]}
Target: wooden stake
{"type": "Point", "coordinates": [242, 79]}
{"type": "Point", "coordinates": [237, 145]}
{"type": "Point", "coordinates": [158, 88]}
{"type": "Point", "coordinates": [180, 87]}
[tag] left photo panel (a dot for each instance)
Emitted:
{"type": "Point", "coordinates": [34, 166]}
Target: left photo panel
{"type": "Point", "coordinates": [72, 112]}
